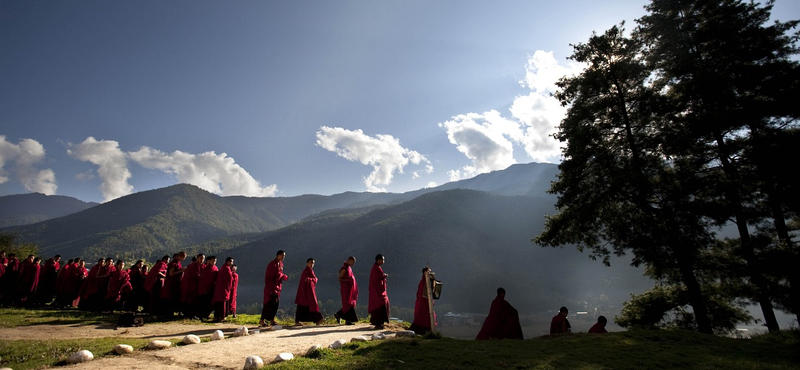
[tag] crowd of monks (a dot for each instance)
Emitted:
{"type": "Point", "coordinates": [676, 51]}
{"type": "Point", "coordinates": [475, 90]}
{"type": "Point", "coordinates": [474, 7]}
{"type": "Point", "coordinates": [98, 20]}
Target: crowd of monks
{"type": "Point", "coordinates": [201, 288]}
{"type": "Point", "coordinates": [164, 290]}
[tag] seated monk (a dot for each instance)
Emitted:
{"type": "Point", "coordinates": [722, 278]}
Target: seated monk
{"type": "Point", "coordinates": [502, 322]}
{"type": "Point", "coordinates": [560, 324]}
{"type": "Point", "coordinates": [600, 326]}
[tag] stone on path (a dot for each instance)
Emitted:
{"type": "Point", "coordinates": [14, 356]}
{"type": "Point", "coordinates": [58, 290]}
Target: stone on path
{"type": "Point", "coordinates": [276, 327]}
{"type": "Point", "coordinates": [241, 332]}
{"type": "Point", "coordinates": [359, 338]}
{"type": "Point", "coordinates": [253, 363]}
{"type": "Point", "coordinates": [80, 356]}
{"type": "Point", "coordinates": [159, 344]}
{"type": "Point", "coordinates": [286, 356]}
{"type": "Point", "coordinates": [313, 349]}
{"type": "Point", "coordinates": [191, 339]}
{"type": "Point", "coordinates": [217, 335]}
{"type": "Point", "coordinates": [405, 334]}
{"type": "Point", "coordinates": [122, 349]}
{"type": "Point", "coordinates": [378, 336]}
{"type": "Point", "coordinates": [338, 344]}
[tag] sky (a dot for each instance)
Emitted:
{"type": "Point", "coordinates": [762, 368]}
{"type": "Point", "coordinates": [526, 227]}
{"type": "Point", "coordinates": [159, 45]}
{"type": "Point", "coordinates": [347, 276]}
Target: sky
{"type": "Point", "coordinates": [100, 99]}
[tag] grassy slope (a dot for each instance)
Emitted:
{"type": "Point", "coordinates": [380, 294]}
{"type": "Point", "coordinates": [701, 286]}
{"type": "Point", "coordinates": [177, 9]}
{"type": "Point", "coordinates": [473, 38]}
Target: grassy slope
{"type": "Point", "coordinates": [624, 350]}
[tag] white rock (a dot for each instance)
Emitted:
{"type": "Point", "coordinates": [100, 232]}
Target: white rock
{"type": "Point", "coordinates": [286, 356]}
{"type": "Point", "coordinates": [405, 334]}
{"type": "Point", "coordinates": [191, 339]}
{"type": "Point", "coordinates": [80, 356]}
{"type": "Point", "coordinates": [159, 344]}
{"type": "Point", "coordinates": [276, 327]}
{"type": "Point", "coordinates": [241, 332]}
{"type": "Point", "coordinates": [313, 349]}
{"type": "Point", "coordinates": [338, 344]}
{"type": "Point", "coordinates": [360, 338]}
{"type": "Point", "coordinates": [378, 336]}
{"type": "Point", "coordinates": [122, 349]}
{"type": "Point", "coordinates": [5, 368]}
{"type": "Point", "coordinates": [253, 363]}
{"type": "Point", "coordinates": [217, 335]}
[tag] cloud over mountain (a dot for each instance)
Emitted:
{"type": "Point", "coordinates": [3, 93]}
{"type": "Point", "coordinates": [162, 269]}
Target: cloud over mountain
{"type": "Point", "coordinates": [216, 173]}
{"type": "Point", "coordinates": [21, 160]}
{"type": "Point", "coordinates": [383, 152]}
{"type": "Point", "coordinates": [488, 138]}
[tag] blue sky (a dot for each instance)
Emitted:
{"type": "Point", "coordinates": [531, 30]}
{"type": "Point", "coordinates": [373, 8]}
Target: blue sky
{"type": "Point", "coordinates": [99, 99]}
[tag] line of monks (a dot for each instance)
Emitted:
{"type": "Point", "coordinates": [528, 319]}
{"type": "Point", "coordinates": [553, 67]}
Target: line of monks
{"type": "Point", "coordinates": [167, 288]}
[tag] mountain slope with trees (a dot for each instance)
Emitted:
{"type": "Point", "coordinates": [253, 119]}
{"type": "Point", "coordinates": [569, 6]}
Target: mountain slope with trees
{"type": "Point", "coordinates": [23, 209]}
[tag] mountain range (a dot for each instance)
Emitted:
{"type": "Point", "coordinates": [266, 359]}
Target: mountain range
{"type": "Point", "coordinates": [474, 233]}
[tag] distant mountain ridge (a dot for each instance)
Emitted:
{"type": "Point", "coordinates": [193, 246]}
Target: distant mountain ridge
{"type": "Point", "coordinates": [22, 209]}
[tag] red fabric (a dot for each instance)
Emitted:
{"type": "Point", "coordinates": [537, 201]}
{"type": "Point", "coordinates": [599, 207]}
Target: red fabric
{"type": "Point", "coordinates": [154, 275]}
{"type": "Point", "coordinates": [559, 324]}
{"type": "Point", "coordinates": [501, 323]}
{"type": "Point", "coordinates": [89, 286]}
{"type": "Point", "coordinates": [234, 293]}
{"type": "Point", "coordinates": [207, 280]}
{"type": "Point", "coordinates": [307, 290]}
{"type": "Point", "coordinates": [224, 285]}
{"type": "Point", "coordinates": [63, 278]}
{"type": "Point", "coordinates": [422, 316]}
{"type": "Point", "coordinates": [273, 279]}
{"type": "Point", "coordinates": [76, 280]}
{"type": "Point", "coordinates": [377, 289]}
{"type": "Point", "coordinates": [28, 278]}
{"type": "Point", "coordinates": [172, 283]}
{"type": "Point", "coordinates": [348, 288]}
{"type": "Point", "coordinates": [191, 282]}
{"type": "Point", "coordinates": [2, 270]}
{"type": "Point", "coordinates": [119, 282]}
{"type": "Point", "coordinates": [598, 328]}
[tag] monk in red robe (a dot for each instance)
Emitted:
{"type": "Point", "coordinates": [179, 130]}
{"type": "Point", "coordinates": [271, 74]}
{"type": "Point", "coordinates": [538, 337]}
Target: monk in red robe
{"type": "Point", "coordinates": [47, 281]}
{"type": "Point", "coordinates": [190, 284]}
{"type": "Point", "coordinates": [155, 282]}
{"type": "Point", "coordinates": [422, 316]}
{"type": "Point", "coordinates": [306, 299]}
{"type": "Point", "coordinates": [11, 279]}
{"type": "Point", "coordinates": [349, 291]}
{"type": "Point", "coordinates": [119, 287]}
{"type": "Point", "coordinates": [273, 280]}
{"type": "Point", "coordinates": [102, 282]}
{"type": "Point", "coordinates": [559, 324]}
{"type": "Point", "coordinates": [378, 307]}
{"type": "Point", "coordinates": [222, 290]}
{"type": "Point", "coordinates": [502, 321]}
{"type": "Point", "coordinates": [28, 280]}
{"type": "Point", "coordinates": [231, 309]}
{"type": "Point", "coordinates": [89, 287]}
{"type": "Point", "coordinates": [138, 294]}
{"type": "Point", "coordinates": [205, 291]}
{"type": "Point", "coordinates": [171, 292]}
{"type": "Point", "coordinates": [77, 278]}
{"type": "Point", "coordinates": [600, 326]}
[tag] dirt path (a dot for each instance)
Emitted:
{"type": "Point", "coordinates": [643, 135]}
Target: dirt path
{"type": "Point", "coordinates": [225, 354]}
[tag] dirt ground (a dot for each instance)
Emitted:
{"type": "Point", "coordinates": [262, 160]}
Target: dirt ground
{"type": "Point", "coordinates": [229, 353]}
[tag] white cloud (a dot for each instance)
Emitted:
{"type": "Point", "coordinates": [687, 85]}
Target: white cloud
{"type": "Point", "coordinates": [383, 152]}
{"type": "Point", "coordinates": [22, 158]}
{"type": "Point", "coordinates": [216, 173]}
{"type": "Point", "coordinates": [488, 138]}
{"type": "Point", "coordinates": [112, 165]}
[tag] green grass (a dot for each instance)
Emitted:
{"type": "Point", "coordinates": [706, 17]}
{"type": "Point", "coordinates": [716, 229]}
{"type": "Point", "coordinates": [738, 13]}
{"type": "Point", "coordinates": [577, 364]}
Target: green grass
{"type": "Point", "coordinates": [13, 317]}
{"type": "Point", "coordinates": [625, 350]}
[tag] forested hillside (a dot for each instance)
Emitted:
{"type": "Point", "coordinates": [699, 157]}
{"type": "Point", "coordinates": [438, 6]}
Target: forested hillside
{"type": "Point", "coordinates": [23, 209]}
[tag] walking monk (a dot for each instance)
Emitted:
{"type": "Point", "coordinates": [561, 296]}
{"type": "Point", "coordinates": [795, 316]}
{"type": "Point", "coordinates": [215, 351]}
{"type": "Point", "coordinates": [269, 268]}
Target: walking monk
{"type": "Point", "coordinates": [190, 285]}
{"type": "Point", "coordinates": [222, 290]}
{"type": "Point", "coordinates": [273, 280]}
{"type": "Point", "coordinates": [422, 316]}
{"type": "Point", "coordinates": [155, 282]}
{"type": "Point", "coordinates": [378, 299]}
{"type": "Point", "coordinates": [171, 292]}
{"type": "Point", "coordinates": [205, 291]}
{"type": "Point", "coordinates": [349, 290]}
{"type": "Point", "coordinates": [231, 305]}
{"type": "Point", "coordinates": [119, 287]}
{"type": "Point", "coordinates": [307, 306]}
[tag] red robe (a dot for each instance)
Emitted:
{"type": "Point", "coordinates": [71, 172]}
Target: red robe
{"type": "Point", "coordinates": [89, 286]}
{"type": "Point", "coordinates": [273, 279]}
{"type": "Point", "coordinates": [234, 294]}
{"type": "Point", "coordinates": [172, 283]}
{"type": "Point", "coordinates": [307, 290]}
{"type": "Point", "coordinates": [224, 285]}
{"type": "Point", "coordinates": [502, 322]}
{"type": "Point", "coordinates": [153, 276]}
{"type": "Point", "coordinates": [28, 279]}
{"type": "Point", "coordinates": [207, 280]}
{"type": "Point", "coordinates": [377, 289]}
{"type": "Point", "coordinates": [348, 289]}
{"type": "Point", "coordinates": [191, 282]}
{"type": "Point", "coordinates": [119, 282]}
{"type": "Point", "coordinates": [422, 318]}
{"type": "Point", "coordinates": [597, 328]}
{"type": "Point", "coordinates": [76, 282]}
{"type": "Point", "coordinates": [559, 324]}
{"type": "Point", "coordinates": [63, 278]}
